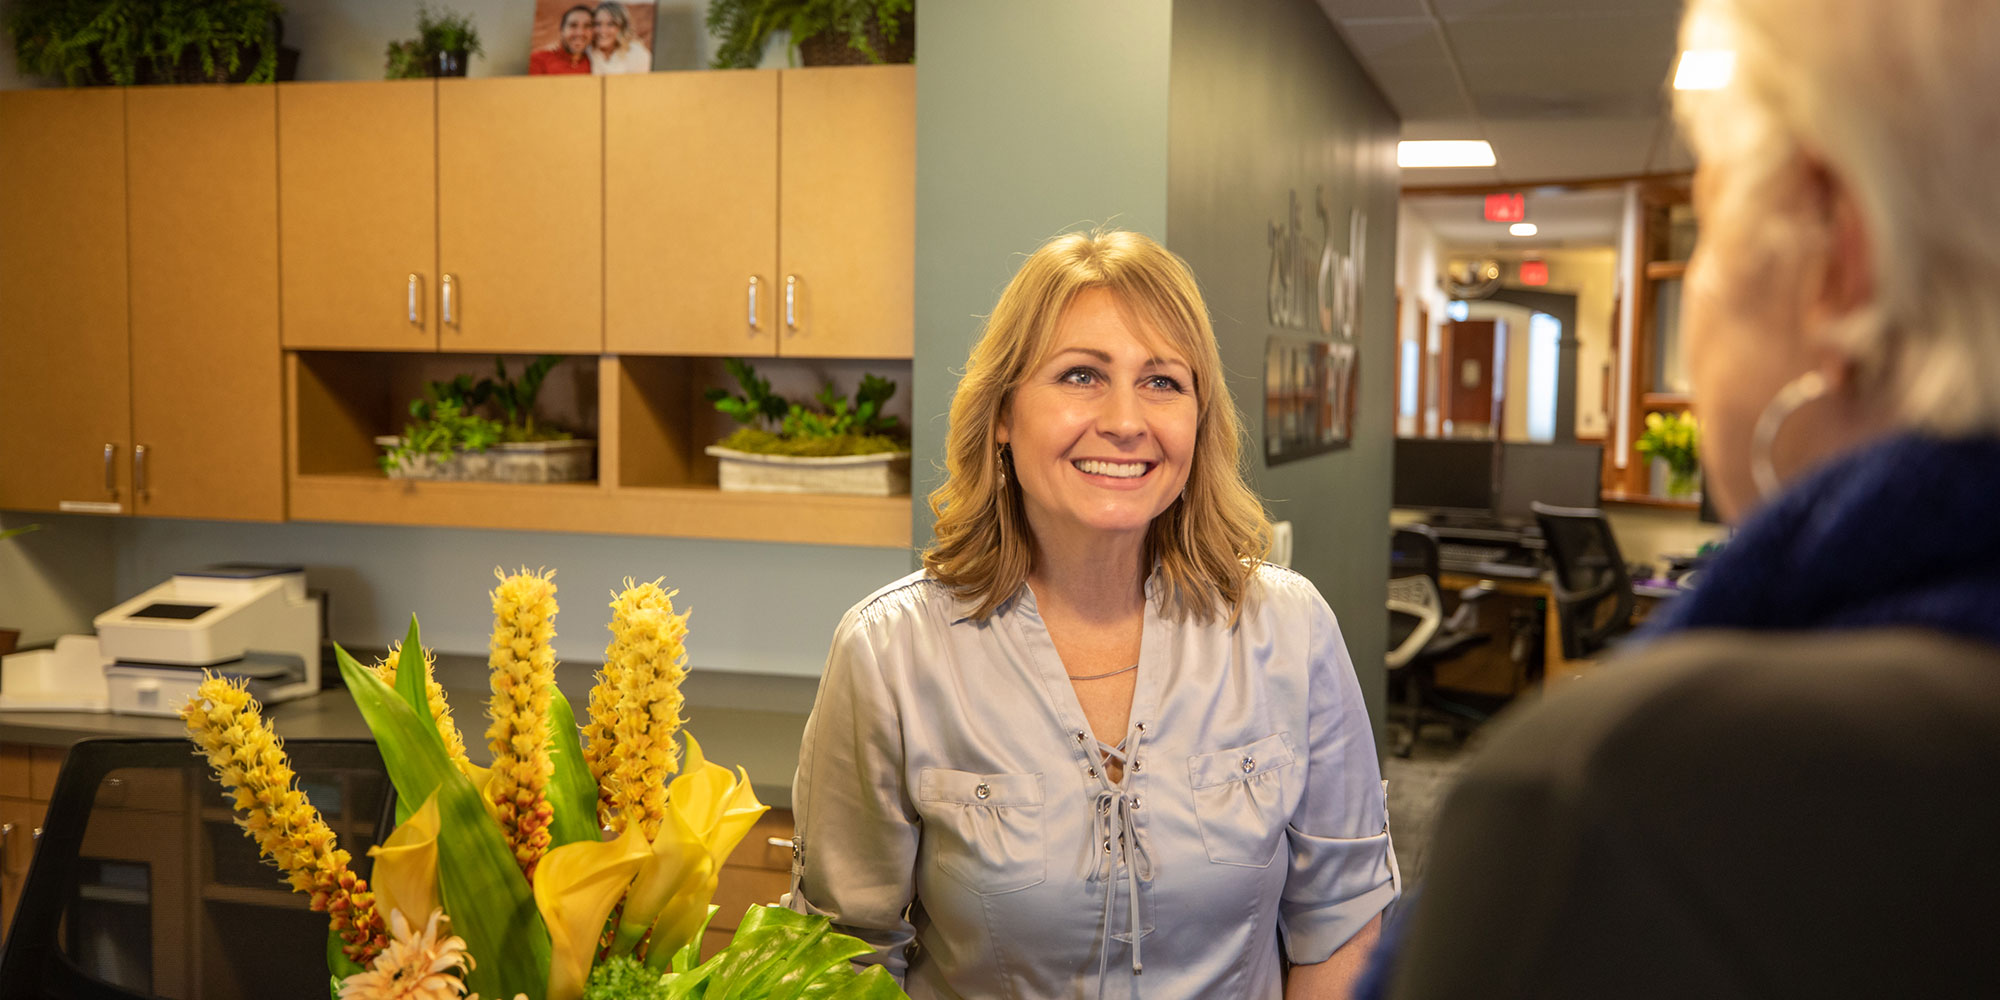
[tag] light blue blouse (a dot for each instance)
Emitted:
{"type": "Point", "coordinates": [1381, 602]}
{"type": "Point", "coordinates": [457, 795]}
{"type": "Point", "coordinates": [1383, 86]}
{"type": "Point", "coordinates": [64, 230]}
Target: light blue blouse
{"type": "Point", "coordinates": [950, 794]}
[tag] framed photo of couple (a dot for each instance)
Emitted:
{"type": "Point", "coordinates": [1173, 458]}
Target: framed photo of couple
{"type": "Point", "coordinates": [605, 37]}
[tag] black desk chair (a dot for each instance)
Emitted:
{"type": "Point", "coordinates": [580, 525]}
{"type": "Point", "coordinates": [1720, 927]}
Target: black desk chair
{"type": "Point", "coordinates": [1593, 590]}
{"type": "Point", "coordinates": [1420, 636]}
{"type": "Point", "coordinates": [143, 887]}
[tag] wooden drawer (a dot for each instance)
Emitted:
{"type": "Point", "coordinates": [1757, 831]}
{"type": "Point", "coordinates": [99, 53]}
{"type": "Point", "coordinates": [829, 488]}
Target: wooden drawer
{"type": "Point", "coordinates": [738, 889]}
{"type": "Point", "coordinates": [14, 767]}
{"type": "Point", "coordinates": [43, 765]}
{"type": "Point", "coordinates": [768, 844]}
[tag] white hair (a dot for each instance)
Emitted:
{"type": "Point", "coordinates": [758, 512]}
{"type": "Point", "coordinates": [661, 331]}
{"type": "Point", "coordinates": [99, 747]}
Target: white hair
{"type": "Point", "coordinates": [1900, 103]}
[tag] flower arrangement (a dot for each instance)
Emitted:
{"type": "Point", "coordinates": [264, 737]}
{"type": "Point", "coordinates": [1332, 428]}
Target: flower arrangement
{"type": "Point", "coordinates": [1675, 439]}
{"type": "Point", "coordinates": [579, 865]}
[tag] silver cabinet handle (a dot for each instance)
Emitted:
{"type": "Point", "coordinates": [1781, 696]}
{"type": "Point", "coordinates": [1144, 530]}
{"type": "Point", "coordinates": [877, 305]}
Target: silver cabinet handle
{"type": "Point", "coordinates": [446, 282]}
{"type": "Point", "coordinates": [416, 298]}
{"type": "Point", "coordinates": [791, 301]}
{"type": "Point", "coordinates": [784, 842]}
{"type": "Point", "coordinates": [6, 841]}
{"type": "Point", "coordinates": [139, 470]}
{"type": "Point", "coordinates": [753, 302]}
{"type": "Point", "coordinates": [110, 468]}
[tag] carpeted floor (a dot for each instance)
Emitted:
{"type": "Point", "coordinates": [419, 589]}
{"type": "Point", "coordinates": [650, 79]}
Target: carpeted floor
{"type": "Point", "coordinates": [1417, 786]}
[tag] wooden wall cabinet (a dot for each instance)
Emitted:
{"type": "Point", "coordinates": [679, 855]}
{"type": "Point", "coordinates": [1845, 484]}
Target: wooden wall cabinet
{"type": "Point", "coordinates": [65, 381]}
{"type": "Point", "coordinates": [761, 214]}
{"type": "Point", "coordinates": [138, 341]}
{"type": "Point", "coordinates": [357, 188]}
{"type": "Point", "coordinates": [457, 215]}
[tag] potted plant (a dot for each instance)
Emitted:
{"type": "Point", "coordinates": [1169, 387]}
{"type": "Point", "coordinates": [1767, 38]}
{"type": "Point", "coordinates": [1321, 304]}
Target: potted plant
{"type": "Point", "coordinates": [823, 32]}
{"type": "Point", "coordinates": [446, 42]}
{"type": "Point", "coordinates": [452, 435]}
{"type": "Point", "coordinates": [126, 42]}
{"type": "Point", "coordinates": [845, 446]}
{"type": "Point", "coordinates": [11, 636]}
{"type": "Point", "coordinates": [1675, 439]}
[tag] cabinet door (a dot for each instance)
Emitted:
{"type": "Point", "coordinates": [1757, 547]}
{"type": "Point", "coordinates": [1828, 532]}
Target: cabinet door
{"type": "Point", "coordinates": [65, 395]}
{"type": "Point", "coordinates": [206, 382]}
{"type": "Point", "coordinates": [691, 213]}
{"type": "Point", "coordinates": [357, 206]}
{"type": "Point", "coordinates": [847, 214]}
{"type": "Point", "coordinates": [521, 214]}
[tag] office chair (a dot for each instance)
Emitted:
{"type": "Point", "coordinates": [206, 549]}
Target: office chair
{"type": "Point", "coordinates": [142, 887]}
{"type": "Point", "coordinates": [1420, 636]}
{"type": "Point", "coordinates": [1593, 590]}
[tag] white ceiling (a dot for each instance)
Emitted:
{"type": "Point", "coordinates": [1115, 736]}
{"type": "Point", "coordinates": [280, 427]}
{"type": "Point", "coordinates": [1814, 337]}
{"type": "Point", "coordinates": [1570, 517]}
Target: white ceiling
{"type": "Point", "coordinates": [1562, 219]}
{"type": "Point", "coordinates": [1563, 89]}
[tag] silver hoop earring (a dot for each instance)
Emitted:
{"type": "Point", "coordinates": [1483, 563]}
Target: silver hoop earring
{"type": "Point", "coordinates": [1796, 393]}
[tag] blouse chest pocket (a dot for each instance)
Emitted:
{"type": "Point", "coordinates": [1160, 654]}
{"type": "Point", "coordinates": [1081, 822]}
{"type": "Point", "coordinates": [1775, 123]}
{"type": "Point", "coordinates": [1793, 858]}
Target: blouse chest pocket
{"type": "Point", "coordinates": [1239, 800]}
{"type": "Point", "coordinates": [986, 828]}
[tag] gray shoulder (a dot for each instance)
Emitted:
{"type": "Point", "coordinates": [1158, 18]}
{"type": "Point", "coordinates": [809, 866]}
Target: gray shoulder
{"type": "Point", "coordinates": [1282, 590]}
{"type": "Point", "coordinates": [915, 596]}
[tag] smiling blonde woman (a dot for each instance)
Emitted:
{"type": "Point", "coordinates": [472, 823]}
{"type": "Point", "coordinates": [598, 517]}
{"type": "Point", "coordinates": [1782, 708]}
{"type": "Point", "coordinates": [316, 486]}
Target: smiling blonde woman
{"type": "Point", "coordinates": [1096, 747]}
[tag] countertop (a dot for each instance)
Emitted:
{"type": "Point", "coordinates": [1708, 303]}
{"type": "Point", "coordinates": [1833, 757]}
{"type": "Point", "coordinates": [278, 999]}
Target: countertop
{"type": "Point", "coordinates": [750, 720]}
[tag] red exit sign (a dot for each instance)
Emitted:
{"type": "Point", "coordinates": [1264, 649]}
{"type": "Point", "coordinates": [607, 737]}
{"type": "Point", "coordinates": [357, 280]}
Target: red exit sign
{"type": "Point", "coordinates": [1534, 272]}
{"type": "Point", "coordinates": [1506, 208]}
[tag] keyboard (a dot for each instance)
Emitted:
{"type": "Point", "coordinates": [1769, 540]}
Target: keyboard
{"type": "Point", "coordinates": [1467, 555]}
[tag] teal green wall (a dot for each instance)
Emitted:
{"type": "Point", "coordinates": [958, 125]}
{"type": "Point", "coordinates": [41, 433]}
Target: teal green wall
{"type": "Point", "coordinates": [1034, 117]}
{"type": "Point", "coordinates": [1266, 100]}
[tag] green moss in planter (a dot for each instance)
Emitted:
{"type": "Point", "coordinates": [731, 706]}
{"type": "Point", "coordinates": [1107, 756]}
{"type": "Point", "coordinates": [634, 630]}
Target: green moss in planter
{"type": "Point", "coordinates": [760, 442]}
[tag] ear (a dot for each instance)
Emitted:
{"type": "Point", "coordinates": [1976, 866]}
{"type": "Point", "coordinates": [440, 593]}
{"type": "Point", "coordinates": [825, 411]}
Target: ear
{"type": "Point", "coordinates": [1845, 283]}
{"type": "Point", "coordinates": [1003, 428]}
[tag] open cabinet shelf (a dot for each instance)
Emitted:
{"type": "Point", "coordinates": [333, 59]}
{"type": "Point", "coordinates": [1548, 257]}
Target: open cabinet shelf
{"type": "Point", "coordinates": [646, 413]}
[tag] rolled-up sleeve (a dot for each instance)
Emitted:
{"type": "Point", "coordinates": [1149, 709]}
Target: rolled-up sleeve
{"type": "Point", "coordinates": [858, 827]}
{"type": "Point", "coordinates": [1343, 868]}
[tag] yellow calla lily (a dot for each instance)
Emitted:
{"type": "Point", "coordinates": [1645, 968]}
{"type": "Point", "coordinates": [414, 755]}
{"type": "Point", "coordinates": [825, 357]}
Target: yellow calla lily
{"type": "Point", "coordinates": [576, 885]}
{"type": "Point", "coordinates": [406, 866]}
{"type": "Point", "coordinates": [709, 811]}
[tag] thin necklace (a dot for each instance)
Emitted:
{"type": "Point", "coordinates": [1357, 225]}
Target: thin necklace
{"type": "Point", "coordinates": [1099, 677]}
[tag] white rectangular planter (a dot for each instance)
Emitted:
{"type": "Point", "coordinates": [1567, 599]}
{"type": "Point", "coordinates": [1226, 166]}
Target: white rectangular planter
{"type": "Point", "coordinates": [523, 462]}
{"type": "Point", "coordinates": [880, 475]}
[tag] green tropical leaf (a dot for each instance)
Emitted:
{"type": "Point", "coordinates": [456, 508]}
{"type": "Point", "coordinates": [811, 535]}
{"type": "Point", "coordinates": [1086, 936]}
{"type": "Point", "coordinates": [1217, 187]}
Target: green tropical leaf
{"type": "Point", "coordinates": [490, 903]}
{"type": "Point", "coordinates": [572, 791]}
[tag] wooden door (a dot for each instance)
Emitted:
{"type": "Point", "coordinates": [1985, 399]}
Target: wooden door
{"type": "Point", "coordinates": [847, 211]}
{"type": "Point", "coordinates": [521, 214]}
{"type": "Point", "coordinates": [65, 391]}
{"type": "Point", "coordinates": [206, 382]}
{"type": "Point", "coordinates": [1468, 377]}
{"type": "Point", "coordinates": [691, 214]}
{"type": "Point", "coordinates": [357, 208]}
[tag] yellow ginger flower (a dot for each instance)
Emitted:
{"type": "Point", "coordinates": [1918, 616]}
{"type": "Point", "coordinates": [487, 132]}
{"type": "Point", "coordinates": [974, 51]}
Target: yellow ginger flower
{"type": "Point", "coordinates": [226, 725]}
{"type": "Point", "coordinates": [454, 744]}
{"type": "Point", "coordinates": [647, 647]}
{"type": "Point", "coordinates": [414, 966]}
{"type": "Point", "coordinates": [601, 749]}
{"type": "Point", "coordinates": [524, 668]}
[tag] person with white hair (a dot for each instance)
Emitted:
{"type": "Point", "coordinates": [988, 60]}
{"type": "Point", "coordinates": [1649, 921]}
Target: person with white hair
{"type": "Point", "coordinates": [1784, 788]}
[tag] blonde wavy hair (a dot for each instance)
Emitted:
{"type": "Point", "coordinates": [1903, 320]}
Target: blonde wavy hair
{"type": "Point", "coordinates": [1207, 544]}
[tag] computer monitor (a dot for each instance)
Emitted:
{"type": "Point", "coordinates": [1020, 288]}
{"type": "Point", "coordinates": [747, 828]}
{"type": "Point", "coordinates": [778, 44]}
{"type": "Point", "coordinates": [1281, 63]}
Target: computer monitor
{"type": "Point", "coordinates": [1565, 474]}
{"type": "Point", "coordinates": [1444, 476]}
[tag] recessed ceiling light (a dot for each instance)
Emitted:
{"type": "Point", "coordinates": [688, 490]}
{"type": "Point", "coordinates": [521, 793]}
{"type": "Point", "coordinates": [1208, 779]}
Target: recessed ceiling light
{"type": "Point", "coordinates": [1523, 229]}
{"type": "Point", "coordinates": [1444, 153]}
{"type": "Point", "coordinates": [1705, 69]}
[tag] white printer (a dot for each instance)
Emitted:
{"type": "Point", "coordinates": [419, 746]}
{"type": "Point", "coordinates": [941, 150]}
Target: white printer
{"type": "Point", "coordinates": [242, 620]}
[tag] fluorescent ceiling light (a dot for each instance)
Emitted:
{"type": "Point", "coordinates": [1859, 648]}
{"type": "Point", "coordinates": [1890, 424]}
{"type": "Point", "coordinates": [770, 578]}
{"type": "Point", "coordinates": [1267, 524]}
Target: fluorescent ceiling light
{"type": "Point", "coordinates": [1444, 153]}
{"type": "Point", "coordinates": [1522, 229]}
{"type": "Point", "coordinates": [1705, 69]}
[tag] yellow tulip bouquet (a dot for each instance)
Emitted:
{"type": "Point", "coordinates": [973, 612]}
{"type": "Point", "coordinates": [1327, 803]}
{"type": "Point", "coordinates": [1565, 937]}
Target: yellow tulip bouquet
{"type": "Point", "coordinates": [579, 866]}
{"type": "Point", "coordinates": [1676, 439]}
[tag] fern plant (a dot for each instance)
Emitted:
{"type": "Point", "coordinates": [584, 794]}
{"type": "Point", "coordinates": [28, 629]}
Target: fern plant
{"type": "Point", "coordinates": [744, 27]}
{"type": "Point", "coordinates": [125, 42]}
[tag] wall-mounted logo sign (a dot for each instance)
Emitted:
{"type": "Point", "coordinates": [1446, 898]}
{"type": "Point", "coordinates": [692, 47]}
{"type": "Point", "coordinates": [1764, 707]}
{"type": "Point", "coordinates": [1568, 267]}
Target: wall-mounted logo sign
{"type": "Point", "coordinates": [1314, 285]}
{"type": "Point", "coordinates": [1506, 208]}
